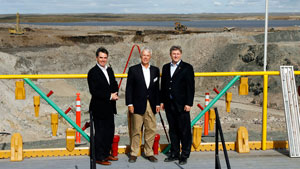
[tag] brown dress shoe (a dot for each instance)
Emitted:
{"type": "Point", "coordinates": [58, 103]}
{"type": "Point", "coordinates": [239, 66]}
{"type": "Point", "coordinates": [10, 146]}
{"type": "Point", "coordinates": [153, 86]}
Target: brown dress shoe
{"type": "Point", "coordinates": [112, 158]}
{"type": "Point", "coordinates": [103, 162]}
{"type": "Point", "coordinates": [152, 159]}
{"type": "Point", "coordinates": [132, 159]}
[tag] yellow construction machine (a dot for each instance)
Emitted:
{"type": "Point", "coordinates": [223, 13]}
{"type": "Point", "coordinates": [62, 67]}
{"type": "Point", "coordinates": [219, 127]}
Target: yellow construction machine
{"type": "Point", "coordinates": [180, 27]}
{"type": "Point", "coordinates": [17, 30]}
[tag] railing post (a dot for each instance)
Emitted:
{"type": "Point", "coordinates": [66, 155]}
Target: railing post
{"type": "Point", "coordinates": [264, 116]}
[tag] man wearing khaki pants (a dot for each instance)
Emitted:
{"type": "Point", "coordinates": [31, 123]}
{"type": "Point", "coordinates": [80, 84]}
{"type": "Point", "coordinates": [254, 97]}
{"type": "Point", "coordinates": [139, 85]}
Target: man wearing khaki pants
{"type": "Point", "coordinates": [142, 99]}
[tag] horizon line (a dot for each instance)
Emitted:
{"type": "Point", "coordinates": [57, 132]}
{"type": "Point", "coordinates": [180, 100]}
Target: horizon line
{"type": "Point", "coordinates": [203, 13]}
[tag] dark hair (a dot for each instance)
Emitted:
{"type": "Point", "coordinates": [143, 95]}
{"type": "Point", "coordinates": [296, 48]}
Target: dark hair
{"type": "Point", "coordinates": [102, 50]}
{"type": "Point", "coordinates": [175, 48]}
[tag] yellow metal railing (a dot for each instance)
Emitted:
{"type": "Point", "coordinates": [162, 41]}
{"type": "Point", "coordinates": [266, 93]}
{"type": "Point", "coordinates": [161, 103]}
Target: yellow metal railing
{"type": "Point", "coordinates": [265, 75]}
{"type": "Point", "coordinates": [197, 74]}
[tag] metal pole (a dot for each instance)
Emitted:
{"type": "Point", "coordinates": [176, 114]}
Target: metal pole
{"type": "Point", "coordinates": [217, 159]}
{"type": "Point", "coordinates": [222, 138]}
{"type": "Point", "coordinates": [92, 144]}
{"type": "Point", "coordinates": [266, 36]}
{"type": "Point", "coordinates": [265, 99]}
{"type": "Point", "coordinates": [265, 114]}
{"type": "Point", "coordinates": [163, 124]}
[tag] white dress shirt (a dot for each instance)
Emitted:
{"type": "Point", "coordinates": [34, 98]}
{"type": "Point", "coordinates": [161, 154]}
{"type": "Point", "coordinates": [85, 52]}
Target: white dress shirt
{"type": "Point", "coordinates": [174, 67]}
{"type": "Point", "coordinates": [104, 71]}
{"type": "Point", "coordinates": [146, 72]}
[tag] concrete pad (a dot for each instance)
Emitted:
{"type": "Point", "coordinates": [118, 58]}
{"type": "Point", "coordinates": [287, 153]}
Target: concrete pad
{"type": "Point", "coordinates": [255, 159]}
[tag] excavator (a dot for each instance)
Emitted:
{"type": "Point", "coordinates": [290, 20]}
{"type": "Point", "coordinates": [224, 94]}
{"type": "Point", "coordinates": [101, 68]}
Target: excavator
{"type": "Point", "coordinates": [17, 30]}
{"type": "Point", "coordinates": [180, 27]}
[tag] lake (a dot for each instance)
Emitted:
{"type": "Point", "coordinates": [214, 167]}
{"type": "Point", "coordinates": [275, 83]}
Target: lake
{"type": "Point", "coordinates": [197, 24]}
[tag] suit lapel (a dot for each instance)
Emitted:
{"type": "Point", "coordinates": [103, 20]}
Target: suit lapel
{"type": "Point", "coordinates": [151, 76]}
{"type": "Point", "coordinates": [110, 74]}
{"type": "Point", "coordinates": [142, 74]}
{"type": "Point", "coordinates": [102, 75]}
{"type": "Point", "coordinates": [178, 69]}
{"type": "Point", "coordinates": [168, 71]}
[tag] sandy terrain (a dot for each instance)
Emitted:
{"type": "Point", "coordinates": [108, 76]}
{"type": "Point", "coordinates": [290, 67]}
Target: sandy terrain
{"type": "Point", "coordinates": [70, 50]}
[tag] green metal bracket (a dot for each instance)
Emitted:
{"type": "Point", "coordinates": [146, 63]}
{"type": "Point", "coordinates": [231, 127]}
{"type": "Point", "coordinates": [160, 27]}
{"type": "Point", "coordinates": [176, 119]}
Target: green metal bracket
{"type": "Point", "coordinates": [51, 103]}
{"type": "Point", "coordinates": [214, 100]}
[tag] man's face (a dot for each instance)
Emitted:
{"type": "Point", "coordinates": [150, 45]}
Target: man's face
{"type": "Point", "coordinates": [145, 57]}
{"type": "Point", "coordinates": [102, 59]}
{"type": "Point", "coordinates": [175, 56]}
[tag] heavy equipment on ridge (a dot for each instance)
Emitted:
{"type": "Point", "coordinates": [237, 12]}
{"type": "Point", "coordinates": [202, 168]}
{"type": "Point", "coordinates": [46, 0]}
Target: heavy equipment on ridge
{"type": "Point", "coordinates": [17, 30]}
{"type": "Point", "coordinates": [180, 27]}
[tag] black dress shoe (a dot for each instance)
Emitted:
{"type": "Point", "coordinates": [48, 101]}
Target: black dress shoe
{"type": "Point", "coordinates": [170, 159]}
{"type": "Point", "coordinates": [182, 161]}
{"type": "Point", "coordinates": [132, 159]}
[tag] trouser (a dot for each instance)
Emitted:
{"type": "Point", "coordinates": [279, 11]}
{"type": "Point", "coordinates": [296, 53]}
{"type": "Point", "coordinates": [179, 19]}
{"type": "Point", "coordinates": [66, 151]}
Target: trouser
{"type": "Point", "coordinates": [179, 130]}
{"type": "Point", "coordinates": [104, 134]}
{"type": "Point", "coordinates": [137, 121]}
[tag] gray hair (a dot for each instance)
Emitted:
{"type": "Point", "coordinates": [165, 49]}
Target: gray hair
{"type": "Point", "coordinates": [146, 49]}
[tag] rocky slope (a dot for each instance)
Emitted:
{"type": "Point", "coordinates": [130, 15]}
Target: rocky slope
{"type": "Point", "coordinates": [71, 50]}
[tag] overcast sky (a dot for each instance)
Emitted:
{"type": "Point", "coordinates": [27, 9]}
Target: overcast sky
{"type": "Point", "coordinates": [146, 6]}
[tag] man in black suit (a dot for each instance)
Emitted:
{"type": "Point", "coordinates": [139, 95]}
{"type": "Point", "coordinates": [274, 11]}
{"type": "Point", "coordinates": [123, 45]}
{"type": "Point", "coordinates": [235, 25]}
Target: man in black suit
{"type": "Point", "coordinates": [177, 95]}
{"type": "Point", "coordinates": [142, 99]}
{"type": "Point", "coordinates": [104, 90]}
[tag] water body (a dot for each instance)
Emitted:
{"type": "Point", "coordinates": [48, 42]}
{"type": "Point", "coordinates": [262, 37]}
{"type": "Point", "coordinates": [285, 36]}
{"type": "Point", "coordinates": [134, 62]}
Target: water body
{"type": "Point", "coordinates": [197, 24]}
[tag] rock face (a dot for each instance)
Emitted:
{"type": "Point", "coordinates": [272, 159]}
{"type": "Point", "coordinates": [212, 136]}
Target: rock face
{"type": "Point", "coordinates": [71, 50]}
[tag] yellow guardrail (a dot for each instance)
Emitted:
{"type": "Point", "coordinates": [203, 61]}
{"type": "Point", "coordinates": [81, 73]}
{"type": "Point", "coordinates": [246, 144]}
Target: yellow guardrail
{"type": "Point", "coordinates": [265, 75]}
{"type": "Point", "coordinates": [59, 152]}
{"type": "Point", "coordinates": [197, 74]}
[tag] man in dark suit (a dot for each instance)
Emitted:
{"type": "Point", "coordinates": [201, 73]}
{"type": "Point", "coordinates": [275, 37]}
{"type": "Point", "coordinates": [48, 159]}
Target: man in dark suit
{"type": "Point", "coordinates": [104, 90]}
{"type": "Point", "coordinates": [177, 95]}
{"type": "Point", "coordinates": [142, 99]}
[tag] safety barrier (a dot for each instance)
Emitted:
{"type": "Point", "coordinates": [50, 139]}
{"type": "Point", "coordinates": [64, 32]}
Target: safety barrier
{"type": "Point", "coordinates": [197, 74]}
{"type": "Point", "coordinates": [51, 103]}
{"type": "Point", "coordinates": [56, 152]}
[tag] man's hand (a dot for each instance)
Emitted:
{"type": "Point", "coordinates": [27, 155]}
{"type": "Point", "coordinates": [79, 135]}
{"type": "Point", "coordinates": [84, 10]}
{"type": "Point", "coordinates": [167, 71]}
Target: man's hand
{"type": "Point", "coordinates": [187, 108]}
{"type": "Point", "coordinates": [114, 96]}
{"type": "Point", "coordinates": [157, 109]}
{"type": "Point", "coordinates": [162, 106]}
{"type": "Point", "coordinates": [131, 109]}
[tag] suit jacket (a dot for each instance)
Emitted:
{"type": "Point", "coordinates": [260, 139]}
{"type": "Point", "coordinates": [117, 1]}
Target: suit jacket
{"type": "Point", "coordinates": [137, 92]}
{"type": "Point", "coordinates": [181, 87]}
{"type": "Point", "coordinates": [100, 104]}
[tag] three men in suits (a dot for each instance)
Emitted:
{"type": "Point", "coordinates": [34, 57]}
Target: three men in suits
{"type": "Point", "coordinates": [142, 99]}
{"type": "Point", "coordinates": [177, 95]}
{"type": "Point", "coordinates": [104, 90]}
